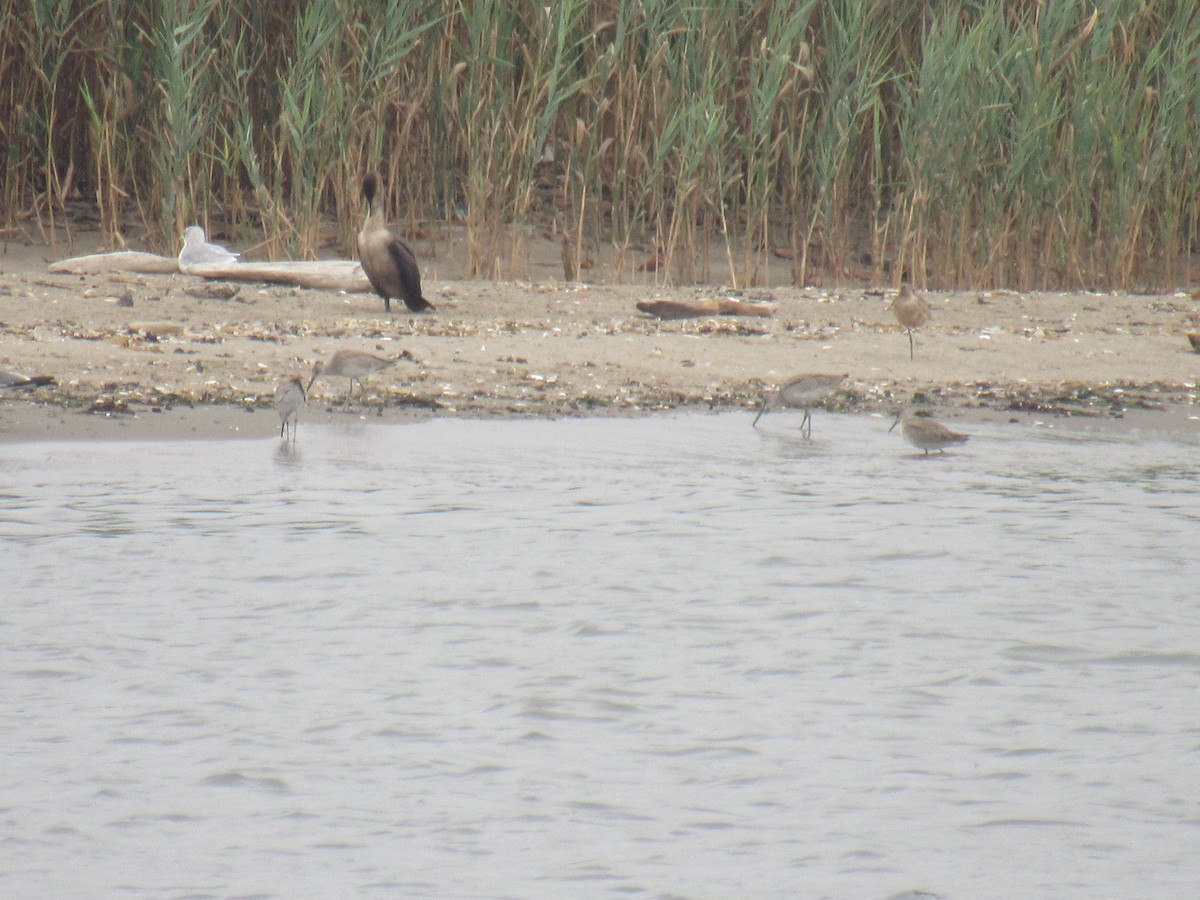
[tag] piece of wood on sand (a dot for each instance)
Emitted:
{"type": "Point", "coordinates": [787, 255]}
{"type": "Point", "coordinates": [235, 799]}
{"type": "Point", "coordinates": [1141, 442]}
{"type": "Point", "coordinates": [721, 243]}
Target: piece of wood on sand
{"type": "Point", "coordinates": [325, 274]}
{"type": "Point", "coordinates": [123, 261]}
{"type": "Point", "coordinates": [155, 330]}
{"type": "Point", "coordinates": [695, 309]}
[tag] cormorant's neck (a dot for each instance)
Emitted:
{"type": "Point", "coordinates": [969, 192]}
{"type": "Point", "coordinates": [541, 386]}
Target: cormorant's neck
{"type": "Point", "coordinates": [374, 210]}
{"type": "Point", "coordinates": [375, 214]}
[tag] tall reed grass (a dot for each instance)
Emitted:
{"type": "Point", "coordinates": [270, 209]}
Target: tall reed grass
{"type": "Point", "coordinates": [1018, 143]}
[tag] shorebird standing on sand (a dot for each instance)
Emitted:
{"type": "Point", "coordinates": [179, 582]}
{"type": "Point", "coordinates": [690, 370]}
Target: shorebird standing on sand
{"type": "Point", "coordinates": [352, 364]}
{"type": "Point", "coordinates": [912, 311]}
{"type": "Point", "coordinates": [289, 397]}
{"type": "Point", "coordinates": [389, 263]}
{"type": "Point", "coordinates": [802, 392]}
{"type": "Point", "coordinates": [926, 434]}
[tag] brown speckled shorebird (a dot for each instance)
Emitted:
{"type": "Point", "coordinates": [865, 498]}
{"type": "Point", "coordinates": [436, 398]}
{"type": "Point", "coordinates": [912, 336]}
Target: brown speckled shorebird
{"type": "Point", "coordinates": [352, 364]}
{"type": "Point", "coordinates": [912, 311]}
{"type": "Point", "coordinates": [802, 392]}
{"type": "Point", "coordinates": [927, 434]}
{"type": "Point", "coordinates": [289, 397]}
{"type": "Point", "coordinates": [389, 263]}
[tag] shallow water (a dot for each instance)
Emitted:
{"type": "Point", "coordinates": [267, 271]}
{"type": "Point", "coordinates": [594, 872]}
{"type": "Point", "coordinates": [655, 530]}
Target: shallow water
{"type": "Point", "coordinates": [664, 657]}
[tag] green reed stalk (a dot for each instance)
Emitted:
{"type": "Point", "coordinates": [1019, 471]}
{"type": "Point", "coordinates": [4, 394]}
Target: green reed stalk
{"type": "Point", "coordinates": [630, 111]}
{"type": "Point", "coordinates": [777, 76]}
{"type": "Point", "coordinates": [312, 128]}
{"type": "Point", "coordinates": [180, 66]}
{"type": "Point", "coordinates": [481, 94]}
{"type": "Point", "coordinates": [388, 110]}
{"type": "Point", "coordinates": [556, 74]}
{"type": "Point", "coordinates": [856, 72]}
{"type": "Point", "coordinates": [942, 113]}
{"type": "Point", "coordinates": [683, 173]}
{"type": "Point", "coordinates": [1024, 144]}
{"type": "Point", "coordinates": [18, 95]}
{"type": "Point", "coordinates": [50, 36]}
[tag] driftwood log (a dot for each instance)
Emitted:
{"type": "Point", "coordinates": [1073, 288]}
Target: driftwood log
{"type": "Point", "coordinates": [124, 261]}
{"type": "Point", "coordinates": [19, 380]}
{"type": "Point", "coordinates": [155, 330]}
{"type": "Point", "coordinates": [327, 274]}
{"type": "Point", "coordinates": [695, 309]}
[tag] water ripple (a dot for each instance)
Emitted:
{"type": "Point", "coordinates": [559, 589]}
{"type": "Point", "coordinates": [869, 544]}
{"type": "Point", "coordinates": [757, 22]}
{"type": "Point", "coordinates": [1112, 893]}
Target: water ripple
{"type": "Point", "coordinates": [671, 656]}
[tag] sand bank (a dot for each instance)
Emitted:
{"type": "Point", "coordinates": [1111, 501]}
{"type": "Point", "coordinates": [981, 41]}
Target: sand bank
{"type": "Point", "coordinates": [134, 352]}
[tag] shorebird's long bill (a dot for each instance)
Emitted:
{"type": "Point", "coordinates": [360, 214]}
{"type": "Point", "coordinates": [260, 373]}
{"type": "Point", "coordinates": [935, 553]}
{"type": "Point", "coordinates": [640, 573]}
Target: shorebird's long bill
{"type": "Point", "coordinates": [762, 409]}
{"type": "Point", "coordinates": [895, 422]}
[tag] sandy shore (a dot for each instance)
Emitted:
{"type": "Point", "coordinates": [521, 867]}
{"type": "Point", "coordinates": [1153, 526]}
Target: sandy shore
{"type": "Point", "coordinates": [543, 347]}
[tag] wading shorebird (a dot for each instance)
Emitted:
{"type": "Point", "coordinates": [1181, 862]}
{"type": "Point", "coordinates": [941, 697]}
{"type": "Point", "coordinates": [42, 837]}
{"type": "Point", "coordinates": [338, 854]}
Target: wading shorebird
{"type": "Point", "coordinates": [802, 392]}
{"type": "Point", "coordinates": [389, 263]}
{"type": "Point", "coordinates": [198, 252]}
{"type": "Point", "coordinates": [289, 397]}
{"type": "Point", "coordinates": [912, 311]}
{"type": "Point", "coordinates": [927, 434]}
{"type": "Point", "coordinates": [352, 364]}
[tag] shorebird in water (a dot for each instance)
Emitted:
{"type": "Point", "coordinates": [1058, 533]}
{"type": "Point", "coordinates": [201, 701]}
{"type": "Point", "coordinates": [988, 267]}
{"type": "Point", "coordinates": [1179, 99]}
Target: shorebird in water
{"type": "Point", "coordinates": [352, 364]}
{"type": "Point", "coordinates": [198, 252]}
{"type": "Point", "coordinates": [389, 263]}
{"type": "Point", "coordinates": [289, 397]}
{"type": "Point", "coordinates": [912, 311]}
{"type": "Point", "coordinates": [802, 392]}
{"type": "Point", "coordinates": [927, 434]}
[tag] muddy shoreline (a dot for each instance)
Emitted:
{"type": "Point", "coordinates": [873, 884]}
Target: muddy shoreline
{"type": "Point", "coordinates": [153, 349]}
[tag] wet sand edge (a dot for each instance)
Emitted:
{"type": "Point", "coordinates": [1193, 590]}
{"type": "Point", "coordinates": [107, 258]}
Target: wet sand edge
{"type": "Point", "coordinates": [31, 421]}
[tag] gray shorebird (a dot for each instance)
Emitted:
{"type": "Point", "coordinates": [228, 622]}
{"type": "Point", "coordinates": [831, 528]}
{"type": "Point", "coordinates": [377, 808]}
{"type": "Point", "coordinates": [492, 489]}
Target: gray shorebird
{"type": "Point", "coordinates": [352, 364]}
{"type": "Point", "coordinates": [289, 397]}
{"type": "Point", "coordinates": [927, 434]}
{"type": "Point", "coordinates": [802, 392]}
{"type": "Point", "coordinates": [389, 263]}
{"type": "Point", "coordinates": [198, 252]}
{"type": "Point", "coordinates": [912, 311]}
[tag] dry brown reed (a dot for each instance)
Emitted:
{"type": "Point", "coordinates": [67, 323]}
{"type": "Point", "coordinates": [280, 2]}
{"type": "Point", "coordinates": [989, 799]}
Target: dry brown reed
{"type": "Point", "coordinates": [1018, 144]}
